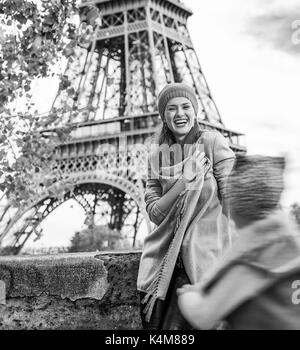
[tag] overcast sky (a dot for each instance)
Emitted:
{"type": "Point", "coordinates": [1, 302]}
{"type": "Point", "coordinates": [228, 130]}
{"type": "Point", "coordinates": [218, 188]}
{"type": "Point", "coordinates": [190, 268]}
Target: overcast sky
{"type": "Point", "coordinates": [253, 70]}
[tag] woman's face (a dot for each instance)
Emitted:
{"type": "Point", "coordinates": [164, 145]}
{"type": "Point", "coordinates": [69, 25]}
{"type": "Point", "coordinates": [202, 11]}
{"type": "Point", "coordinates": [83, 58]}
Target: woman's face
{"type": "Point", "coordinates": [180, 116]}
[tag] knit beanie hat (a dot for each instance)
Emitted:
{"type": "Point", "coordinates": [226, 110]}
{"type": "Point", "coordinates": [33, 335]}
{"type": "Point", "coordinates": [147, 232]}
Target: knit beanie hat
{"type": "Point", "coordinates": [176, 90]}
{"type": "Point", "coordinates": [255, 186]}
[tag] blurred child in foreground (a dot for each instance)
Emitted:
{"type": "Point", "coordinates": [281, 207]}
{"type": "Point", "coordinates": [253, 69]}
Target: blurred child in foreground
{"type": "Point", "coordinates": [255, 284]}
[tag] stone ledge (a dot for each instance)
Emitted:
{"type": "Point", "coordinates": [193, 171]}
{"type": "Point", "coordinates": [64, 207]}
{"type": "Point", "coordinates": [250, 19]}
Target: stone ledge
{"type": "Point", "coordinates": [71, 291]}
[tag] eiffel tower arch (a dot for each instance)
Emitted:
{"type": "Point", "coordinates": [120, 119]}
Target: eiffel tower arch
{"type": "Point", "coordinates": [139, 46]}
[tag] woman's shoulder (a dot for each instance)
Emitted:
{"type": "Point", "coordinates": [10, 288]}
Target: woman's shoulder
{"type": "Point", "coordinates": [210, 137]}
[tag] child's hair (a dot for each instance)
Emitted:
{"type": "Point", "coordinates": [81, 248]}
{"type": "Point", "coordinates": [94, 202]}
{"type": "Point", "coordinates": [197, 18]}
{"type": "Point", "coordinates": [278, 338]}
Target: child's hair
{"type": "Point", "coordinates": [255, 186]}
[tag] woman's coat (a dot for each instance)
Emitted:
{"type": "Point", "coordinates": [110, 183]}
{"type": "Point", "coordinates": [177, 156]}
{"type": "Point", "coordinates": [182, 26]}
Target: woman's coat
{"type": "Point", "coordinates": [195, 226]}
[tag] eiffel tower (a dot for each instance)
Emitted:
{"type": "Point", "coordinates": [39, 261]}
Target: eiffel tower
{"type": "Point", "coordinates": [136, 48]}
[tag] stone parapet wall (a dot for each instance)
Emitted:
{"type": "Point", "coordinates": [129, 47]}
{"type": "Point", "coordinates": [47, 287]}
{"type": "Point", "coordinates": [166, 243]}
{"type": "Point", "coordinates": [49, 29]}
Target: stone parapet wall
{"type": "Point", "coordinates": [70, 291]}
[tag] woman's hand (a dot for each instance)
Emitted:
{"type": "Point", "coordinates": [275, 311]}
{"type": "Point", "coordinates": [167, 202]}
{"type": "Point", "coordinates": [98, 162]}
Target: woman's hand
{"type": "Point", "coordinates": [194, 166]}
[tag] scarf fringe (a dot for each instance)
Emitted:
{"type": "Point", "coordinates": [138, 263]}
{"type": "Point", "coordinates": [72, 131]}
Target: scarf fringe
{"type": "Point", "coordinates": [152, 293]}
{"type": "Point", "coordinates": [148, 309]}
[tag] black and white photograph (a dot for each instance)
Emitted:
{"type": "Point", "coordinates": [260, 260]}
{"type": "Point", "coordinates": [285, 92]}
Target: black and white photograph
{"type": "Point", "coordinates": [149, 167]}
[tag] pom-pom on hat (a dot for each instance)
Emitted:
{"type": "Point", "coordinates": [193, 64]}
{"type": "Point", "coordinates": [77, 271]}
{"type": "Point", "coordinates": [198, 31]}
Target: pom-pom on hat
{"type": "Point", "coordinates": [176, 90]}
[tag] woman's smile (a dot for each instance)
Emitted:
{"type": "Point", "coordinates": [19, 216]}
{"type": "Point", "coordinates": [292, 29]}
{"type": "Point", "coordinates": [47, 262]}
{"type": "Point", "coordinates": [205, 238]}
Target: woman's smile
{"type": "Point", "coordinates": [181, 122]}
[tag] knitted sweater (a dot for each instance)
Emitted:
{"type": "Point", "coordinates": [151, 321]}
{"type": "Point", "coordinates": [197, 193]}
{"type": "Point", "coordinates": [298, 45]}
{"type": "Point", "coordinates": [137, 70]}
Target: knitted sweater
{"type": "Point", "coordinates": [194, 226]}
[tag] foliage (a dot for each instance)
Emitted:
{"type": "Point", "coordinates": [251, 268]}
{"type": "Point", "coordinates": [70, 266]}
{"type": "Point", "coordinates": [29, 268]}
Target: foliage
{"type": "Point", "coordinates": [8, 250]}
{"type": "Point", "coordinates": [295, 212]}
{"type": "Point", "coordinates": [34, 37]}
{"type": "Point", "coordinates": [98, 237]}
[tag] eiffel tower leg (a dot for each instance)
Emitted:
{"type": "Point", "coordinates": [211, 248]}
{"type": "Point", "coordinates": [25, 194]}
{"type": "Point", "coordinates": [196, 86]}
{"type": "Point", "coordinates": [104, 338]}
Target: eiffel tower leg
{"type": "Point", "coordinates": [122, 209]}
{"type": "Point", "coordinates": [136, 226]}
{"type": "Point", "coordinates": [117, 213]}
{"type": "Point", "coordinates": [109, 205]}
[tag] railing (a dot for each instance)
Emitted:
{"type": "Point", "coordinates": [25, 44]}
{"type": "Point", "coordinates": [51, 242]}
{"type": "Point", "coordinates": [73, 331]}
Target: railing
{"type": "Point", "coordinates": [144, 125]}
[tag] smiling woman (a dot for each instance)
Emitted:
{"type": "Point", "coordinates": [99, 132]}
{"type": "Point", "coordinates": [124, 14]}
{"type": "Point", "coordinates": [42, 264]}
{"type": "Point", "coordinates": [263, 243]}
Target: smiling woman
{"type": "Point", "coordinates": [185, 199]}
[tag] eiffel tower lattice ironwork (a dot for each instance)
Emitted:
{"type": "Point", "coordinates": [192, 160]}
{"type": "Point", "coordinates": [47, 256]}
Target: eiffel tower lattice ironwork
{"type": "Point", "coordinates": [140, 46]}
